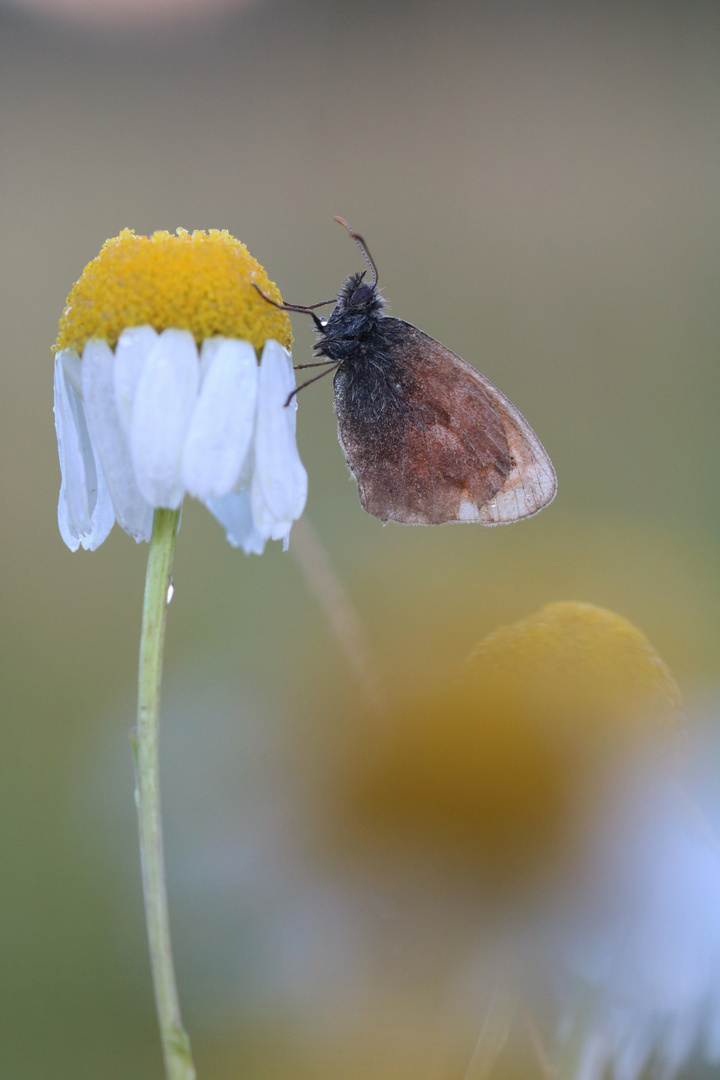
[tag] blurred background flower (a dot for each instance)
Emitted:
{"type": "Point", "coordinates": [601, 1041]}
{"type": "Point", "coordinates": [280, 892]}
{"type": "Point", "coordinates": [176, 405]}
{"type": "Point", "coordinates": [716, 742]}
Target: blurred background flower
{"type": "Point", "coordinates": [499, 771]}
{"type": "Point", "coordinates": [131, 17]}
{"type": "Point", "coordinates": [643, 972]}
{"type": "Point", "coordinates": [537, 183]}
{"type": "Point", "coordinates": [527, 812]}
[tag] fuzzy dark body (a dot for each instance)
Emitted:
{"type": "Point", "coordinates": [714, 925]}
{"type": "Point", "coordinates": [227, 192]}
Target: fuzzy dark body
{"type": "Point", "coordinates": [418, 429]}
{"type": "Point", "coordinates": [370, 381]}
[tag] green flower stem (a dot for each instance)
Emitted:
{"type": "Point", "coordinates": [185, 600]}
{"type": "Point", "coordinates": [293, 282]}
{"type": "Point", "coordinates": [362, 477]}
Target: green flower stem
{"type": "Point", "coordinates": [175, 1043]}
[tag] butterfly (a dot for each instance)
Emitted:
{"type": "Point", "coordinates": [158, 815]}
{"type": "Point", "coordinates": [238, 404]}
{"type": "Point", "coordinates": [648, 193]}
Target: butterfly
{"type": "Point", "coordinates": [428, 439]}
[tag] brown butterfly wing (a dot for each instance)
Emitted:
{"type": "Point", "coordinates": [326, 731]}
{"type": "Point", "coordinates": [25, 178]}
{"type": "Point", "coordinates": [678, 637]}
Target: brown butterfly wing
{"type": "Point", "coordinates": [458, 451]}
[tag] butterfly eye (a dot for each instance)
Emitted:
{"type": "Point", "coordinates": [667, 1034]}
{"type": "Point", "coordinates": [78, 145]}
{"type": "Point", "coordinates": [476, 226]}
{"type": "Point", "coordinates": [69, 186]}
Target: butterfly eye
{"type": "Point", "coordinates": [362, 295]}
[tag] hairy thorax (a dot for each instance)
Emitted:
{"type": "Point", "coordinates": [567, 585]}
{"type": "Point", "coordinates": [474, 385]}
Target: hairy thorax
{"type": "Point", "coordinates": [369, 383]}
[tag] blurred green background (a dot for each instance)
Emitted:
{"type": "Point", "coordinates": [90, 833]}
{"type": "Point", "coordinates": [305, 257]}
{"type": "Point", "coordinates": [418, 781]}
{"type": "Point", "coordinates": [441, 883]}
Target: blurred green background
{"type": "Point", "coordinates": [537, 182]}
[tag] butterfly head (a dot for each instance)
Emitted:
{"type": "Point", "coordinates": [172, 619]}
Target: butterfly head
{"type": "Point", "coordinates": [357, 312]}
{"type": "Point", "coordinates": [357, 297]}
{"type": "Point", "coordinates": [362, 296]}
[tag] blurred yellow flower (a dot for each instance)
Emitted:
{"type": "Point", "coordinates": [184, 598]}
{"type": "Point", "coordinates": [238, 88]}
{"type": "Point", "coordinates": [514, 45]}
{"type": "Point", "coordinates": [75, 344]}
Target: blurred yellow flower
{"type": "Point", "coordinates": [498, 772]}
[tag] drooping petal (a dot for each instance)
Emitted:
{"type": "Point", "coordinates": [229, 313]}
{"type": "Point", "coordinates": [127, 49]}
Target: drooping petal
{"type": "Point", "coordinates": [72, 368]}
{"type": "Point", "coordinates": [133, 347]}
{"type": "Point", "coordinates": [164, 400]}
{"type": "Point", "coordinates": [279, 485]}
{"type": "Point", "coordinates": [234, 513]}
{"type": "Point", "coordinates": [267, 524]}
{"type": "Point", "coordinates": [132, 511]}
{"type": "Point", "coordinates": [85, 511]}
{"type": "Point", "coordinates": [222, 422]}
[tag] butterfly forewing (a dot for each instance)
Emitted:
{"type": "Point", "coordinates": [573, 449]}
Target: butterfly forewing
{"type": "Point", "coordinates": [447, 447]}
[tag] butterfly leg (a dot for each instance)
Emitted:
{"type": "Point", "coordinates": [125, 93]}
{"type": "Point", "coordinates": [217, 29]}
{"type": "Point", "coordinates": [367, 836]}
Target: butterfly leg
{"type": "Point", "coordinates": [335, 363]}
{"type": "Point", "coordinates": [317, 363]}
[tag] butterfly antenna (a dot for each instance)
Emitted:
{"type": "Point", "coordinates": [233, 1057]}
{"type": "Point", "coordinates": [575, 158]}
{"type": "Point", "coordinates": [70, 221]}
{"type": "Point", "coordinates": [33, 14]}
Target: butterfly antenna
{"type": "Point", "coordinates": [304, 309]}
{"type": "Point", "coordinates": [363, 247]}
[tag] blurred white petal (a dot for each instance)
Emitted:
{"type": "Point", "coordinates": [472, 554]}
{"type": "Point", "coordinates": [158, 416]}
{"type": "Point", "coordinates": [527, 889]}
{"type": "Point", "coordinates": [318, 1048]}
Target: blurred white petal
{"type": "Point", "coordinates": [593, 1058]}
{"type": "Point", "coordinates": [677, 1044]}
{"type": "Point", "coordinates": [133, 513]}
{"type": "Point", "coordinates": [657, 991]}
{"type": "Point", "coordinates": [85, 512]}
{"type": "Point", "coordinates": [635, 1052]}
{"type": "Point", "coordinates": [712, 1035]}
{"type": "Point", "coordinates": [222, 422]}
{"type": "Point", "coordinates": [279, 485]}
{"type": "Point", "coordinates": [234, 513]}
{"type": "Point", "coordinates": [164, 400]}
{"type": "Point", "coordinates": [131, 352]}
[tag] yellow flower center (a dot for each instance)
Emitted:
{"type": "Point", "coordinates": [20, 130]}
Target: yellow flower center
{"type": "Point", "coordinates": [200, 281]}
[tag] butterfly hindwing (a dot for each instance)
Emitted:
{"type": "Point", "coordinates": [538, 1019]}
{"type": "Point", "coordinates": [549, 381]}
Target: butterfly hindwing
{"type": "Point", "coordinates": [448, 446]}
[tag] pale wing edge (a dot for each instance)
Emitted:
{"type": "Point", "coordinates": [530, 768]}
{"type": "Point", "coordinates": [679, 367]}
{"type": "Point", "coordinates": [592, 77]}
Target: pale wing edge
{"type": "Point", "coordinates": [532, 482]}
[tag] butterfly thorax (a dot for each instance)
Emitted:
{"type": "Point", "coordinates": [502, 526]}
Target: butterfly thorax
{"type": "Point", "coordinates": [363, 340]}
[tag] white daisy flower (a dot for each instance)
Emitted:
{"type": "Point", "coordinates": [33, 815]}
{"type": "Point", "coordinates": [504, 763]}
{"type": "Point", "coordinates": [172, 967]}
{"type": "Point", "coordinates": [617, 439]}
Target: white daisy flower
{"type": "Point", "coordinates": [171, 377]}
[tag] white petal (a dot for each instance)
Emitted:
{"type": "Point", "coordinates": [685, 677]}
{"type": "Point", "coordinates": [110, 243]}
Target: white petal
{"type": "Point", "coordinates": [131, 352]}
{"type": "Point", "coordinates": [222, 422]}
{"type": "Point", "coordinates": [133, 513]}
{"type": "Point", "coordinates": [85, 512]}
{"type": "Point", "coordinates": [265, 520]}
{"type": "Point", "coordinates": [279, 486]}
{"type": "Point", "coordinates": [233, 512]}
{"type": "Point", "coordinates": [208, 350]}
{"type": "Point", "coordinates": [72, 368]}
{"type": "Point", "coordinates": [164, 399]}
